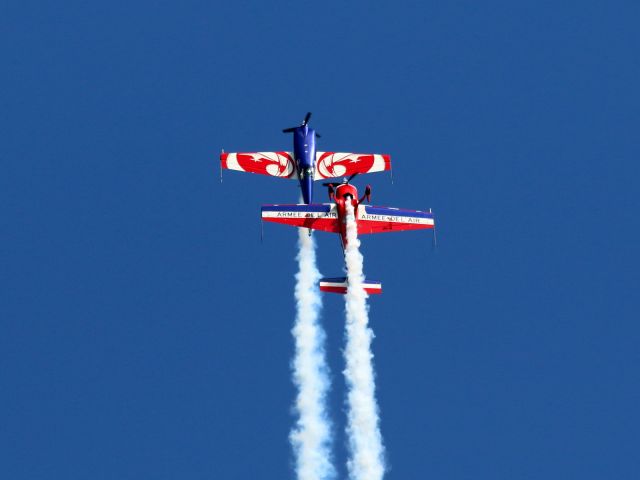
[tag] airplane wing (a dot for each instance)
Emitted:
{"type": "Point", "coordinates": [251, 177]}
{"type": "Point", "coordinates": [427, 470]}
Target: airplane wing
{"type": "Point", "coordinates": [317, 217]}
{"type": "Point", "coordinates": [386, 219]}
{"type": "Point", "coordinates": [275, 164]}
{"type": "Point", "coordinates": [337, 164]}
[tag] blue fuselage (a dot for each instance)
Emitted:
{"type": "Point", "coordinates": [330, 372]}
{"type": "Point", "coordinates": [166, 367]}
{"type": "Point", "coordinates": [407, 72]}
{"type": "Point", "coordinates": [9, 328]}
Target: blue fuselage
{"type": "Point", "coordinates": [304, 154]}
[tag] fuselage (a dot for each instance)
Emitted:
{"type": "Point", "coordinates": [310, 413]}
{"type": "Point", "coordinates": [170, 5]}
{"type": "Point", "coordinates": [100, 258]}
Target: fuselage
{"type": "Point", "coordinates": [345, 193]}
{"type": "Point", "coordinates": [304, 154]}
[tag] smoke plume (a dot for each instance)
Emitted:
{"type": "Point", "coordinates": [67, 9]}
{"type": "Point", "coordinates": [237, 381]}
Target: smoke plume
{"type": "Point", "coordinates": [311, 436]}
{"type": "Point", "coordinates": [365, 440]}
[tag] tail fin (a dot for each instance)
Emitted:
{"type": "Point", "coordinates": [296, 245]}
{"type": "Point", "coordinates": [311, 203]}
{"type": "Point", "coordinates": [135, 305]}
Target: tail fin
{"type": "Point", "coordinates": [340, 285]}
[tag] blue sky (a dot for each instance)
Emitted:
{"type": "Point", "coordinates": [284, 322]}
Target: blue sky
{"type": "Point", "coordinates": [145, 330]}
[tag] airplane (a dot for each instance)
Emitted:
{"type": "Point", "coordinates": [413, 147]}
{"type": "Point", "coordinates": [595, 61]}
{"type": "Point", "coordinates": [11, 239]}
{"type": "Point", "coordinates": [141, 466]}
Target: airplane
{"type": "Point", "coordinates": [331, 217]}
{"type": "Point", "coordinates": [305, 163]}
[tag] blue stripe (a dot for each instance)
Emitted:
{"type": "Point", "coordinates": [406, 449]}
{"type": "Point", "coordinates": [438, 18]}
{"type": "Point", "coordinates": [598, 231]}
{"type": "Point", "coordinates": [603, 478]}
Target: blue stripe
{"type": "Point", "coordinates": [334, 279]}
{"type": "Point", "coordinates": [398, 213]}
{"type": "Point", "coordinates": [344, 279]}
{"type": "Point", "coordinates": [297, 208]}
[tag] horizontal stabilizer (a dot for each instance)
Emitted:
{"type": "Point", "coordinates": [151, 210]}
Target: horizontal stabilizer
{"type": "Point", "coordinates": [340, 285]}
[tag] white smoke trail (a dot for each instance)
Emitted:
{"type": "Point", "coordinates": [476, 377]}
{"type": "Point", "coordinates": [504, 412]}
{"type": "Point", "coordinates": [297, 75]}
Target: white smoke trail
{"type": "Point", "coordinates": [365, 440]}
{"type": "Point", "coordinates": [311, 436]}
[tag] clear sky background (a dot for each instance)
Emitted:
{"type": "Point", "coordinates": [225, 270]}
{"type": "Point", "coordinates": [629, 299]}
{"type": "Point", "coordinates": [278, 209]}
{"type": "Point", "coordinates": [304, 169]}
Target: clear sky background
{"type": "Point", "coordinates": [145, 330]}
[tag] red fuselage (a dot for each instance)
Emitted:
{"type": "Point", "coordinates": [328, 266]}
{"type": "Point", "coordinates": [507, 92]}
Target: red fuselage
{"type": "Point", "coordinates": [345, 193]}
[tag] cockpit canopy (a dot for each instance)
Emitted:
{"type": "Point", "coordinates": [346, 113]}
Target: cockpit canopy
{"type": "Point", "coordinates": [307, 172]}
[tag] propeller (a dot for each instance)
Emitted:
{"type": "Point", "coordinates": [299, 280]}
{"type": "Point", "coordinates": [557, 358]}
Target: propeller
{"type": "Point", "coordinates": [332, 188]}
{"type": "Point", "coordinates": [307, 117]}
{"type": "Point", "coordinates": [347, 180]}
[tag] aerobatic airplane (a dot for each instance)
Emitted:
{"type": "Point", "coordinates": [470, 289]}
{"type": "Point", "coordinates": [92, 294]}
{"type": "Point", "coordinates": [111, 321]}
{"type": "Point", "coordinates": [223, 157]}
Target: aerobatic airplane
{"type": "Point", "coordinates": [305, 163]}
{"type": "Point", "coordinates": [331, 217]}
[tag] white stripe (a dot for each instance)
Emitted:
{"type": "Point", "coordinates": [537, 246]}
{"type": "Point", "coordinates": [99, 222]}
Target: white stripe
{"type": "Point", "coordinates": [344, 284]}
{"type": "Point", "coordinates": [289, 214]}
{"type": "Point", "coordinates": [284, 215]}
{"type": "Point", "coordinates": [363, 216]}
{"type": "Point", "coordinates": [378, 163]}
{"type": "Point", "coordinates": [232, 162]}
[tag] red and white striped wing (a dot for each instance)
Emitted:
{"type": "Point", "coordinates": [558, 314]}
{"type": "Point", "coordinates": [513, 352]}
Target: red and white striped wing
{"type": "Point", "coordinates": [372, 219]}
{"type": "Point", "coordinates": [338, 164]}
{"type": "Point", "coordinates": [275, 164]}
{"type": "Point", "coordinates": [316, 217]}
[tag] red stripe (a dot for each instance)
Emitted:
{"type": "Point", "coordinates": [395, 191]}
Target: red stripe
{"type": "Point", "coordinates": [324, 224]}
{"type": "Point", "coordinates": [343, 290]}
{"type": "Point", "coordinates": [377, 226]}
{"type": "Point", "coordinates": [387, 161]}
{"type": "Point", "coordinates": [373, 290]}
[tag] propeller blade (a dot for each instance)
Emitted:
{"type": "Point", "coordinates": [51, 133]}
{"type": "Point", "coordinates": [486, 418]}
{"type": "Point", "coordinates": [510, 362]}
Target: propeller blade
{"type": "Point", "coordinates": [352, 177]}
{"type": "Point", "coordinates": [304, 122]}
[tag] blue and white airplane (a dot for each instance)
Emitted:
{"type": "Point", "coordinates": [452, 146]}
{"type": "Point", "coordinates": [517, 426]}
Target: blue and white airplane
{"type": "Point", "coordinates": [305, 163]}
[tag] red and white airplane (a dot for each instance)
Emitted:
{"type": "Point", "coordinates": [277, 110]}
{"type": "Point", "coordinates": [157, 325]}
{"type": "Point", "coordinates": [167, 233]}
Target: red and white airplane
{"type": "Point", "coordinates": [331, 217]}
